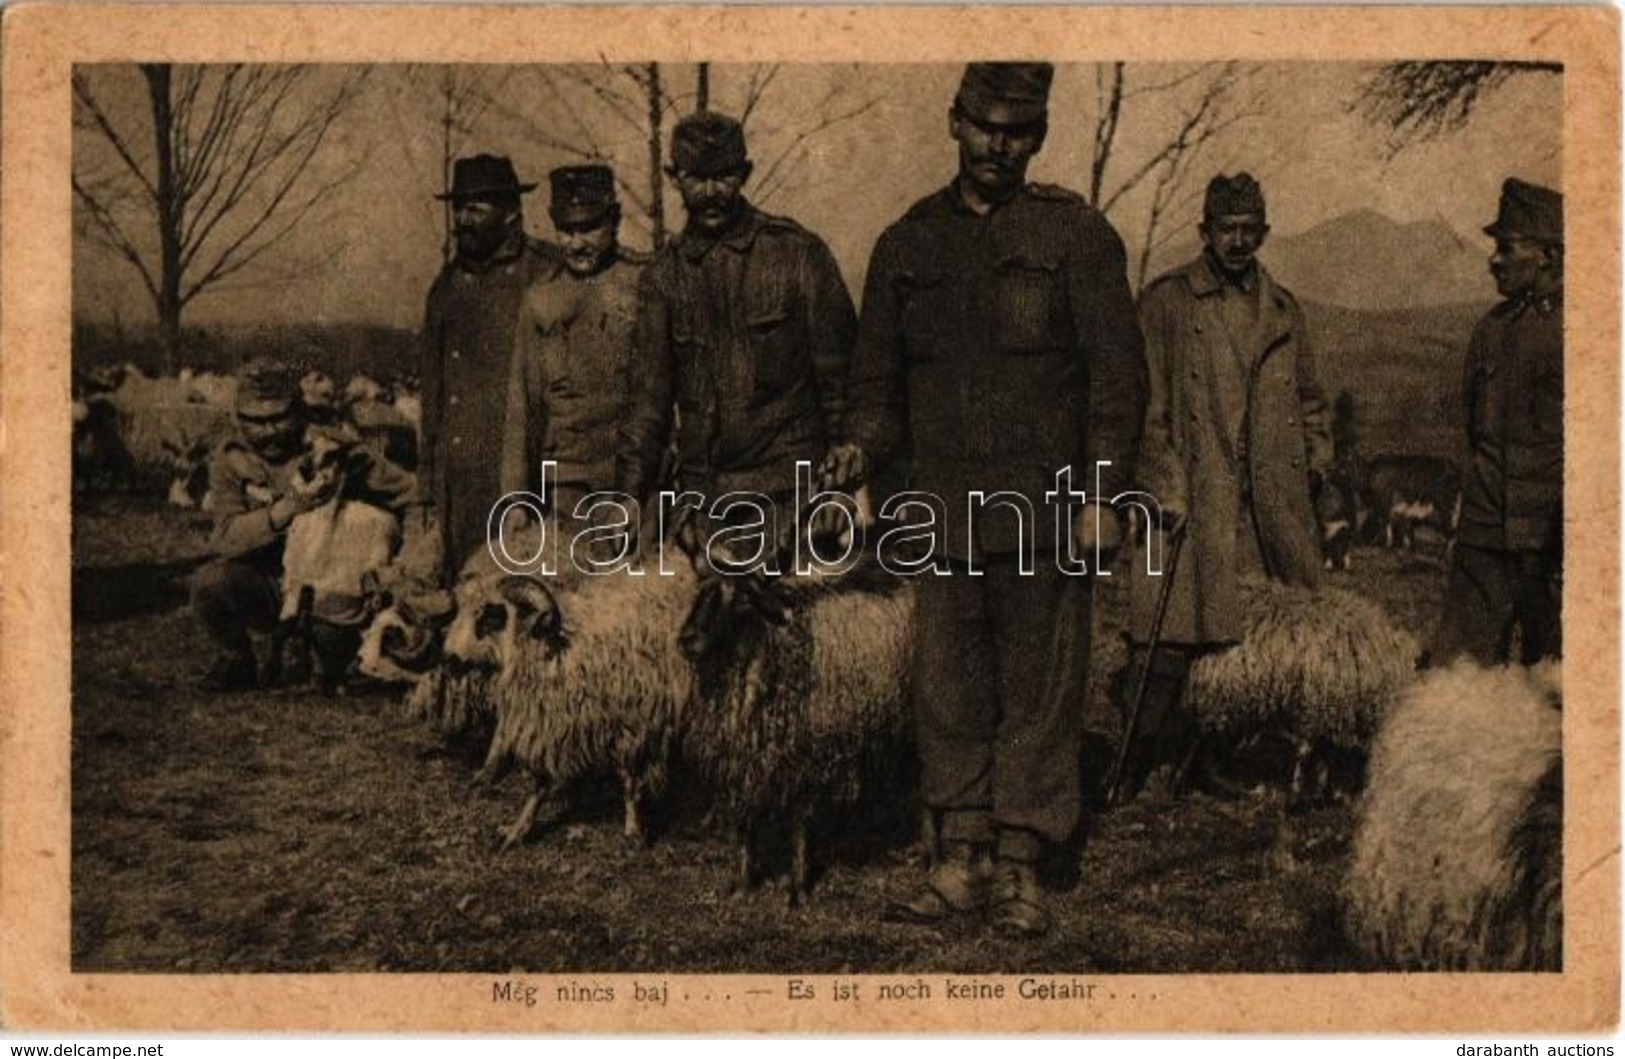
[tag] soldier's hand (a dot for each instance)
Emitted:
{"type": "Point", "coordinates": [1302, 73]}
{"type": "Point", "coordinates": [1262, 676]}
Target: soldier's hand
{"type": "Point", "coordinates": [845, 467]}
{"type": "Point", "coordinates": [1098, 531]}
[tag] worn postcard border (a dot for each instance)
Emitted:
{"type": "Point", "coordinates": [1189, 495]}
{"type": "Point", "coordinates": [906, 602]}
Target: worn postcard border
{"type": "Point", "coordinates": [41, 44]}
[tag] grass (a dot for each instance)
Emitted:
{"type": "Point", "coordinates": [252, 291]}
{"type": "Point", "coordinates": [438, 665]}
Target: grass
{"type": "Point", "coordinates": [284, 831]}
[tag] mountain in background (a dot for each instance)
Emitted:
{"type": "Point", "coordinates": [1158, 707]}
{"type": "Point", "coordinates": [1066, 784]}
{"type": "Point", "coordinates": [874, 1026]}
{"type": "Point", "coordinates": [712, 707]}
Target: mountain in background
{"type": "Point", "coordinates": [1364, 260]}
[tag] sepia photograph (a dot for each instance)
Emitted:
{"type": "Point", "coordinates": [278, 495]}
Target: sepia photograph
{"type": "Point", "coordinates": [732, 535]}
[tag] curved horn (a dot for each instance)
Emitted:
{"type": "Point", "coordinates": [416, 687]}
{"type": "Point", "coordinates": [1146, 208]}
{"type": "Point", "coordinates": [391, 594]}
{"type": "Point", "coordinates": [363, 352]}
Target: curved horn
{"type": "Point", "coordinates": [538, 611]}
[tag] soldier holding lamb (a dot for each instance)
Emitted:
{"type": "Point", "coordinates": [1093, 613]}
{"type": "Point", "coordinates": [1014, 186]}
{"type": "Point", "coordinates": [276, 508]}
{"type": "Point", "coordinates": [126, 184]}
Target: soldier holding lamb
{"type": "Point", "coordinates": [258, 487]}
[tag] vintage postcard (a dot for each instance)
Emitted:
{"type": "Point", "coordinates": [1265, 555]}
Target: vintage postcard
{"type": "Point", "coordinates": [699, 519]}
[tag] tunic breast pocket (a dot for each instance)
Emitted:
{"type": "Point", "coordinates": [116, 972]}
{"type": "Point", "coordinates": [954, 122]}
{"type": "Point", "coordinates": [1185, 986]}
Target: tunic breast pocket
{"type": "Point", "coordinates": [693, 369]}
{"type": "Point", "coordinates": [777, 349]}
{"type": "Point", "coordinates": [1030, 310]}
{"type": "Point", "coordinates": [1546, 405]}
{"type": "Point", "coordinates": [920, 297]}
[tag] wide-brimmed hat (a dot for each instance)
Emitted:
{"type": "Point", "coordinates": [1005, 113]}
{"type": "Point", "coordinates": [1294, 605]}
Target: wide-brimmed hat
{"type": "Point", "coordinates": [708, 144]}
{"type": "Point", "coordinates": [266, 388]}
{"type": "Point", "coordinates": [1005, 93]}
{"type": "Point", "coordinates": [484, 176]}
{"type": "Point", "coordinates": [1530, 211]}
{"type": "Point", "coordinates": [582, 194]}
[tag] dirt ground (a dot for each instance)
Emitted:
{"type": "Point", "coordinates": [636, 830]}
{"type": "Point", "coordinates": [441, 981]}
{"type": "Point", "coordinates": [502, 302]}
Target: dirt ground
{"type": "Point", "coordinates": [284, 831]}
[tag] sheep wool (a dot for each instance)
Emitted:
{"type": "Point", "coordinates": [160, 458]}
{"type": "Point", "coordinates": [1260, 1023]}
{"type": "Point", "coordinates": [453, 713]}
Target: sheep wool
{"type": "Point", "coordinates": [1320, 664]}
{"type": "Point", "coordinates": [609, 693]}
{"type": "Point", "coordinates": [804, 714]}
{"type": "Point", "coordinates": [1457, 854]}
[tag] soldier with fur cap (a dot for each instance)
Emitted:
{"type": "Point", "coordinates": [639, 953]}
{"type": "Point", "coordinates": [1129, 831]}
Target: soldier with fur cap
{"type": "Point", "coordinates": [467, 340]}
{"type": "Point", "coordinates": [567, 387]}
{"type": "Point", "coordinates": [744, 327]}
{"type": "Point", "coordinates": [1506, 571]}
{"type": "Point", "coordinates": [1237, 442]}
{"type": "Point", "coordinates": [998, 346]}
{"type": "Point", "coordinates": [253, 499]}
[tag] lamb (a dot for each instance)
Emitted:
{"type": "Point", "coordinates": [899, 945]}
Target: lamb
{"type": "Point", "coordinates": [802, 700]}
{"type": "Point", "coordinates": [328, 553]}
{"type": "Point", "coordinates": [589, 678]}
{"type": "Point", "coordinates": [1318, 665]}
{"type": "Point", "coordinates": [1457, 854]}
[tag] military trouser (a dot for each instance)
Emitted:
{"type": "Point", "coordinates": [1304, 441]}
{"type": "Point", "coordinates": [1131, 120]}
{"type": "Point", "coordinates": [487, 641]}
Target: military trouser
{"type": "Point", "coordinates": [999, 674]}
{"type": "Point", "coordinates": [231, 596]}
{"type": "Point", "coordinates": [1493, 592]}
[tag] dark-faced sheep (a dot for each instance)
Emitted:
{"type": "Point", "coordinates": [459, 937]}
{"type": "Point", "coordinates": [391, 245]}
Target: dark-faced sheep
{"type": "Point", "coordinates": [1457, 857]}
{"type": "Point", "coordinates": [589, 679]}
{"type": "Point", "coordinates": [802, 701]}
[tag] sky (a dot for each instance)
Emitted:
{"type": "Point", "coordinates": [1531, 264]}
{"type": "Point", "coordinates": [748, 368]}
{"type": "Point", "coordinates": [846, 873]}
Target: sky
{"type": "Point", "coordinates": [370, 253]}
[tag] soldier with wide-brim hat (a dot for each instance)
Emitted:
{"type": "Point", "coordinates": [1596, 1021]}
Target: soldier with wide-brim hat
{"type": "Point", "coordinates": [1506, 568]}
{"type": "Point", "coordinates": [468, 337]}
{"type": "Point", "coordinates": [486, 177]}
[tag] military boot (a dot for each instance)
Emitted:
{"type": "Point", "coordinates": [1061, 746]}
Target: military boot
{"type": "Point", "coordinates": [231, 671]}
{"type": "Point", "coordinates": [1018, 900]}
{"type": "Point", "coordinates": [957, 886]}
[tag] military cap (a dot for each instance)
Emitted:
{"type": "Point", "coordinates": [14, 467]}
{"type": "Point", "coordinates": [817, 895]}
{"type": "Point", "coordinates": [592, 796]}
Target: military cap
{"type": "Point", "coordinates": [1005, 93]}
{"type": "Point", "coordinates": [582, 194]}
{"type": "Point", "coordinates": [266, 388]}
{"type": "Point", "coordinates": [1227, 195]}
{"type": "Point", "coordinates": [707, 144]}
{"type": "Point", "coordinates": [487, 177]}
{"type": "Point", "coordinates": [1530, 211]}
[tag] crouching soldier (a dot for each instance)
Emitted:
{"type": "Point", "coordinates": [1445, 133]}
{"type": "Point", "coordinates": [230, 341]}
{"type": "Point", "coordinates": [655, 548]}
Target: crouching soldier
{"type": "Point", "coordinates": [254, 495]}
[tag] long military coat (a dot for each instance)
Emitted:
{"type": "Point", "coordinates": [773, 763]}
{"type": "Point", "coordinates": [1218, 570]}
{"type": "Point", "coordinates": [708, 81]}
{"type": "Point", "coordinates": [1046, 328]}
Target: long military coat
{"type": "Point", "coordinates": [1204, 452]}
{"type": "Point", "coordinates": [468, 337]}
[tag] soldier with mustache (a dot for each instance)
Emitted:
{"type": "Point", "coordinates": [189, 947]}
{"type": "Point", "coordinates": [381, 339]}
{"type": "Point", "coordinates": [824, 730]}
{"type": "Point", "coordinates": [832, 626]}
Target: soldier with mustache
{"type": "Point", "coordinates": [744, 328]}
{"type": "Point", "coordinates": [567, 388]}
{"type": "Point", "coordinates": [1507, 565]}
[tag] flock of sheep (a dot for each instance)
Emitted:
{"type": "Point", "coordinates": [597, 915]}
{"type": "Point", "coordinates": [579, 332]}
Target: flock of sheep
{"type": "Point", "coordinates": [787, 697]}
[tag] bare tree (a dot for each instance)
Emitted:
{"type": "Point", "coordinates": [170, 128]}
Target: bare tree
{"type": "Point", "coordinates": [224, 177]}
{"type": "Point", "coordinates": [1205, 100]}
{"type": "Point", "coordinates": [1417, 101]}
{"type": "Point", "coordinates": [843, 102]}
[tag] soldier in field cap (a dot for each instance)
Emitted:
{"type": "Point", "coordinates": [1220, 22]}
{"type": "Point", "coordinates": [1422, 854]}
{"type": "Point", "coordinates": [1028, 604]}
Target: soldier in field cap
{"type": "Point", "coordinates": [1506, 571]}
{"type": "Point", "coordinates": [998, 346]}
{"type": "Point", "coordinates": [745, 327]}
{"type": "Point", "coordinates": [468, 337]}
{"type": "Point", "coordinates": [252, 497]}
{"type": "Point", "coordinates": [1237, 443]}
{"type": "Point", "coordinates": [567, 385]}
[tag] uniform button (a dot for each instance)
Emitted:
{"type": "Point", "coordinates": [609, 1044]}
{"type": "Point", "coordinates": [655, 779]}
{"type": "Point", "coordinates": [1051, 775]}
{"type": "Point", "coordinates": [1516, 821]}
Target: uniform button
{"type": "Point", "coordinates": [456, 439]}
{"type": "Point", "coordinates": [1291, 422]}
{"type": "Point", "coordinates": [456, 354]}
{"type": "Point", "coordinates": [454, 399]}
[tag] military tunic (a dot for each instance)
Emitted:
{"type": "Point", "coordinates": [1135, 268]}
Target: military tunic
{"type": "Point", "coordinates": [568, 384]}
{"type": "Point", "coordinates": [994, 350]}
{"type": "Point", "coordinates": [1506, 569]}
{"type": "Point", "coordinates": [468, 338]}
{"type": "Point", "coordinates": [749, 336]}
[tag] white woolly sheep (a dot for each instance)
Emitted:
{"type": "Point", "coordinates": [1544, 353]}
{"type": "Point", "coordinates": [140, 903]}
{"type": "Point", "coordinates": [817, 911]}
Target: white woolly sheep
{"type": "Point", "coordinates": [803, 699]}
{"type": "Point", "coordinates": [591, 679]}
{"type": "Point", "coordinates": [157, 419]}
{"type": "Point", "coordinates": [1319, 666]}
{"type": "Point", "coordinates": [1457, 855]}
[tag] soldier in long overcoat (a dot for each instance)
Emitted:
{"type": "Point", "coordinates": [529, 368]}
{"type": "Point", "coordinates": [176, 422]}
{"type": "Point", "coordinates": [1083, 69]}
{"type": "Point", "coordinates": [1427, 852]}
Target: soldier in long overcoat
{"type": "Point", "coordinates": [467, 340]}
{"type": "Point", "coordinates": [1237, 439]}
